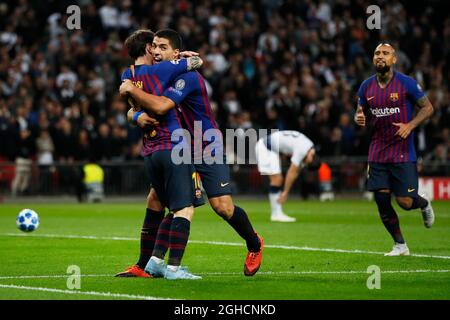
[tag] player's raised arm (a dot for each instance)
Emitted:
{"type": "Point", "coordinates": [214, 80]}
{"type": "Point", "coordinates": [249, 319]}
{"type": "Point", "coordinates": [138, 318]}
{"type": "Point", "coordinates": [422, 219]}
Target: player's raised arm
{"type": "Point", "coordinates": [174, 68]}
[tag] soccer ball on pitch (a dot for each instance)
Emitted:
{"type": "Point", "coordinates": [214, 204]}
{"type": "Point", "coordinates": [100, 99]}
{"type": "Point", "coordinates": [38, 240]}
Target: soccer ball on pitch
{"type": "Point", "coordinates": [27, 220]}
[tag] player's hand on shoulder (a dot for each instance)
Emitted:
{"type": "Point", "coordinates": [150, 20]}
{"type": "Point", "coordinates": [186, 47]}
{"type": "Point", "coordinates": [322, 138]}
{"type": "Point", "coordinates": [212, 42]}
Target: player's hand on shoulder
{"type": "Point", "coordinates": [194, 63]}
{"type": "Point", "coordinates": [187, 54]}
{"type": "Point", "coordinates": [360, 118]}
{"type": "Point", "coordinates": [125, 88]}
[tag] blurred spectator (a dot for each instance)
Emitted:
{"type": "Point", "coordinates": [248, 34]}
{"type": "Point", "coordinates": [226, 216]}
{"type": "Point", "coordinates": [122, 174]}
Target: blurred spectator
{"type": "Point", "coordinates": [45, 148]}
{"type": "Point", "coordinates": [65, 141]}
{"type": "Point", "coordinates": [119, 143]}
{"type": "Point", "coordinates": [84, 150]}
{"type": "Point", "coordinates": [103, 143]}
{"type": "Point", "coordinates": [25, 151]}
{"type": "Point", "coordinates": [437, 161]}
{"type": "Point", "coordinates": [217, 59]}
{"type": "Point", "coordinates": [348, 134]}
{"type": "Point", "coordinates": [66, 78]}
{"type": "Point", "coordinates": [109, 15]}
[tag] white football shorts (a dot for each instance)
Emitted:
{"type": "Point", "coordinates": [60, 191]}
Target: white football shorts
{"type": "Point", "coordinates": [268, 161]}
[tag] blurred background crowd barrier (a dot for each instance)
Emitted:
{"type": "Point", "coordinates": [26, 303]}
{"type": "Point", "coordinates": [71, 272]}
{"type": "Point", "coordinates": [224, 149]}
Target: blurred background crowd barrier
{"type": "Point", "coordinates": [348, 178]}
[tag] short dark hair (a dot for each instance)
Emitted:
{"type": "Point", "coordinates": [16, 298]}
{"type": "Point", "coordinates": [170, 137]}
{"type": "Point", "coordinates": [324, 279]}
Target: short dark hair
{"type": "Point", "coordinates": [174, 37]}
{"type": "Point", "coordinates": [385, 43]}
{"type": "Point", "coordinates": [315, 164]}
{"type": "Point", "coordinates": [137, 41]}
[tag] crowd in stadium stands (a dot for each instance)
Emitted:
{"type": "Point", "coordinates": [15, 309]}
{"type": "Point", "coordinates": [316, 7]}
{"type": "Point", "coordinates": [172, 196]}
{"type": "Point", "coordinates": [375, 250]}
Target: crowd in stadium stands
{"type": "Point", "coordinates": [269, 64]}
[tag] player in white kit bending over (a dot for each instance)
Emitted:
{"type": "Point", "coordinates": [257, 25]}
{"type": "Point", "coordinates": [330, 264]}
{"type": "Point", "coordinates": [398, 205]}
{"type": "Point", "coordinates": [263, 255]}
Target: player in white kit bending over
{"type": "Point", "coordinates": [303, 155]}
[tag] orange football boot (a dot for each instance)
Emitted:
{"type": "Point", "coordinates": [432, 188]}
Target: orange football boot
{"type": "Point", "coordinates": [134, 272]}
{"type": "Point", "coordinates": [254, 259]}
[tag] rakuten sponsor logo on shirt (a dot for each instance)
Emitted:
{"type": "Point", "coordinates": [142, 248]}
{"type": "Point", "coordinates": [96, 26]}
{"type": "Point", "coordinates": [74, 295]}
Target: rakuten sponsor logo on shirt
{"type": "Point", "coordinates": [385, 112]}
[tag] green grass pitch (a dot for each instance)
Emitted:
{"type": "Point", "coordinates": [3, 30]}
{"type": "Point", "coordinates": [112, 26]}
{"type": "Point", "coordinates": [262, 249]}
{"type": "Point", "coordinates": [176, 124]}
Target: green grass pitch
{"type": "Point", "coordinates": [324, 255]}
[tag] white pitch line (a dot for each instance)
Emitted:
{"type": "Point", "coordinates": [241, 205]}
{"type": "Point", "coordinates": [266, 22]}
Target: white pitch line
{"type": "Point", "coordinates": [55, 276]}
{"type": "Point", "coordinates": [219, 243]}
{"type": "Point", "coordinates": [88, 293]}
{"type": "Point", "coordinates": [68, 236]}
{"type": "Point", "coordinates": [322, 272]}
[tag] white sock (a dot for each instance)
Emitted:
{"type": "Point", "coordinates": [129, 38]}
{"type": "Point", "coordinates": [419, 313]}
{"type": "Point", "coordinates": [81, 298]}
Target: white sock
{"type": "Point", "coordinates": [172, 268]}
{"type": "Point", "coordinates": [276, 208]}
{"type": "Point", "coordinates": [157, 260]}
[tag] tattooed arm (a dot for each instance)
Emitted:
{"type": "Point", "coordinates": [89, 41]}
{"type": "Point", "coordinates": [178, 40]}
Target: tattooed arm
{"type": "Point", "coordinates": [194, 63]}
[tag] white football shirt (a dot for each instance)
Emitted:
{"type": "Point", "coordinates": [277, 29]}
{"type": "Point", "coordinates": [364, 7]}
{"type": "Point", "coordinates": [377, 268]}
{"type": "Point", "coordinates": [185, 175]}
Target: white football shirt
{"type": "Point", "coordinates": [291, 143]}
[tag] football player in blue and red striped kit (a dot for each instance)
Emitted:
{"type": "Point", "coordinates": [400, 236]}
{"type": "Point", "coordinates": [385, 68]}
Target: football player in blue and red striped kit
{"type": "Point", "coordinates": [175, 185]}
{"type": "Point", "coordinates": [387, 100]}
{"type": "Point", "coordinates": [188, 92]}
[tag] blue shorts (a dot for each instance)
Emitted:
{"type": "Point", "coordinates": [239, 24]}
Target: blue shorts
{"type": "Point", "coordinates": [177, 186]}
{"type": "Point", "coordinates": [215, 179]}
{"type": "Point", "coordinates": [401, 178]}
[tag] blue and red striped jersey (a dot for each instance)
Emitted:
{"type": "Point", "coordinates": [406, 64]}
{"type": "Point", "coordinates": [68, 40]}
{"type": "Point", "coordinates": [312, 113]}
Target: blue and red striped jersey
{"type": "Point", "coordinates": [189, 93]}
{"type": "Point", "coordinates": [384, 106]}
{"type": "Point", "coordinates": [155, 79]}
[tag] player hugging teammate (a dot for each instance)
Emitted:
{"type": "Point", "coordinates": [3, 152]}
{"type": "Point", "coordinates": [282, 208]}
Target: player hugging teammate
{"type": "Point", "coordinates": [184, 102]}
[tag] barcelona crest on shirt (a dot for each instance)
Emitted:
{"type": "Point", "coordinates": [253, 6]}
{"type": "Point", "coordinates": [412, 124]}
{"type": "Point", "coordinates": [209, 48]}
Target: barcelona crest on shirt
{"type": "Point", "coordinates": [394, 96]}
{"type": "Point", "coordinates": [150, 134]}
